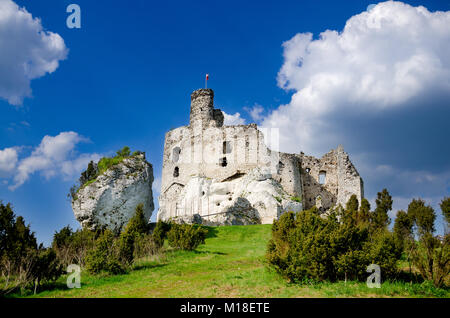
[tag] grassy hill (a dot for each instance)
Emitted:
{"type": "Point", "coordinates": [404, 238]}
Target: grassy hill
{"type": "Point", "coordinates": [230, 264]}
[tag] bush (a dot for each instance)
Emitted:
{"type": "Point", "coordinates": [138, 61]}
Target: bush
{"type": "Point", "coordinates": [138, 224]}
{"type": "Point", "coordinates": [23, 263]}
{"type": "Point", "coordinates": [144, 246]}
{"type": "Point", "coordinates": [72, 247]}
{"type": "Point", "coordinates": [306, 246]}
{"type": "Point", "coordinates": [186, 236]}
{"type": "Point", "coordinates": [430, 255]}
{"type": "Point", "coordinates": [104, 256]}
{"type": "Point", "coordinates": [136, 227]}
{"type": "Point", "coordinates": [160, 233]}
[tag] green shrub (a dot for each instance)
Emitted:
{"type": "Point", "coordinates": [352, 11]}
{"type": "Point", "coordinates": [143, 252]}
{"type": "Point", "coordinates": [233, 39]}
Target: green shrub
{"type": "Point", "coordinates": [138, 224]}
{"type": "Point", "coordinates": [296, 199]}
{"type": "Point", "coordinates": [430, 255]}
{"type": "Point", "coordinates": [160, 233]}
{"type": "Point", "coordinates": [186, 236]}
{"type": "Point", "coordinates": [104, 256]}
{"type": "Point", "coordinates": [306, 246]}
{"type": "Point", "coordinates": [63, 237]}
{"type": "Point", "coordinates": [22, 263]}
{"type": "Point", "coordinates": [144, 246]}
{"type": "Point", "coordinates": [72, 247]}
{"type": "Point", "coordinates": [46, 266]}
{"type": "Point", "coordinates": [124, 152]}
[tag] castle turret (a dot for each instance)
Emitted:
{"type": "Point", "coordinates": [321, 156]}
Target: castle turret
{"type": "Point", "coordinates": [203, 113]}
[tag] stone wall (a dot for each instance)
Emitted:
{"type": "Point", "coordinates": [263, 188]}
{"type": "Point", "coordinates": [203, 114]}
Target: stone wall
{"type": "Point", "coordinates": [330, 180]}
{"type": "Point", "coordinates": [208, 149]}
{"type": "Point", "coordinates": [205, 157]}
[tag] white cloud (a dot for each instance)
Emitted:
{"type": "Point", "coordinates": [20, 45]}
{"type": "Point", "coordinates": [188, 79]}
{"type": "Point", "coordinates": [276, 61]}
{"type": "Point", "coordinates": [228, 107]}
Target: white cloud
{"type": "Point", "coordinates": [381, 88]}
{"type": "Point", "coordinates": [384, 59]}
{"type": "Point", "coordinates": [235, 119]}
{"type": "Point", "coordinates": [54, 156]}
{"type": "Point", "coordinates": [8, 161]}
{"type": "Point", "coordinates": [255, 112]}
{"type": "Point", "coordinates": [27, 51]}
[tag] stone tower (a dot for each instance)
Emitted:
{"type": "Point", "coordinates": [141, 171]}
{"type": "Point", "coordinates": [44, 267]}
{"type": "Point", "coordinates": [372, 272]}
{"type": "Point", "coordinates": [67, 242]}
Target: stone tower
{"type": "Point", "coordinates": [203, 113]}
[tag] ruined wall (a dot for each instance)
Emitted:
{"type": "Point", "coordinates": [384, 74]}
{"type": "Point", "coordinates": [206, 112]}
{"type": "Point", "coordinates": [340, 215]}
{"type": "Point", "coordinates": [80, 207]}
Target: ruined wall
{"type": "Point", "coordinates": [206, 167]}
{"type": "Point", "coordinates": [330, 180]}
{"type": "Point", "coordinates": [208, 149]}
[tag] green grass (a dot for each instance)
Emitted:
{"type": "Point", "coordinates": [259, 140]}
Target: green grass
{"type": "Point", "coordinates": [230, 264]}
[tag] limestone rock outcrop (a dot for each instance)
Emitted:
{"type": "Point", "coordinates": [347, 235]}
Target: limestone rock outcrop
{"type": "Point", "coordinates": [111, 199]}
{"type": "Point", "coordinates": [251, 198]}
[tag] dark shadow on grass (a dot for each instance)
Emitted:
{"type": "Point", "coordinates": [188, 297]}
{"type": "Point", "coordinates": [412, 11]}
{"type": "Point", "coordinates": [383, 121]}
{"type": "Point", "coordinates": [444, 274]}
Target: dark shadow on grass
{"type": "Point", "coordinates": [212, 231]}
{"type": "Point", "coordinates": [407, 277]}
{"type": "Point", "coordinates": [30, 290]}
{"type": "Point", "coordinates": [147, 266]}
{"type": "Point", "coordinates": [209, 252]}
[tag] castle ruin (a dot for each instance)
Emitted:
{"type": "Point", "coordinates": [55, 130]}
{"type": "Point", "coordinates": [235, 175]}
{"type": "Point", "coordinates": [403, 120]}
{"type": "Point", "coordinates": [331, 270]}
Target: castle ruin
{"type": "Point", "coordinates": [216, 174]}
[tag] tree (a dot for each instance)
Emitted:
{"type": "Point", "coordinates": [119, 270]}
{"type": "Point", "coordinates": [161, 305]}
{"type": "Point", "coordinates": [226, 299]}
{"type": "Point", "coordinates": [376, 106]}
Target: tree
{"type": "Point", "coordinates": [351, 208]}
{"type": "Point", "coordinates": [136, 227]}
{"type": "Point", "coordinates": [104, 256]}
{"type": "Point", "coordinates": [403, 227]}
{"type": "Point", "coordinates": [309, 246]}
{"type": "Point", "coordinates": [6, 227]}
{"type": "Point", "coordinates": [429, 255]}
{"type": "Point", "coordinates": [22, 261]}
{"type": "Point", "coordinates": [160, 233]}
{"type": "Point", "coordinates": [62, 237]}
{"type": "Point", "coordinates": [364, 212]}
{"type": "Point", "coordinates": [403, 233]}
{"type": "Point", "coordinates": [445, 208]}
{"type": "Point", "coordinates": [380, 217]}
{"type": "Point", "coordinates": [89, 174]}
{"type": "Point", "coordinates": [138, 224]}
{"type": "Point", "coordinates": [423, 216]}
{"type": "Point", "coordinates": [124, 152]}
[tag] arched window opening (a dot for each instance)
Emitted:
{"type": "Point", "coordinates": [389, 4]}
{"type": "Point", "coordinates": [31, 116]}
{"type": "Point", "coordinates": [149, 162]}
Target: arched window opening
{"type": "Point", "coordinates": [307, 170]}
{"type": "Point", "coordinates": [176, 154]}
{"type": "Point", "coordinates": [176, 172]}
{"type": "Point", "coordinates": [322, 177]}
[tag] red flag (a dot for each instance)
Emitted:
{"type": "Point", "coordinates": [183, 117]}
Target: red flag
{"type": "Point", "coordinates": [207, 76]}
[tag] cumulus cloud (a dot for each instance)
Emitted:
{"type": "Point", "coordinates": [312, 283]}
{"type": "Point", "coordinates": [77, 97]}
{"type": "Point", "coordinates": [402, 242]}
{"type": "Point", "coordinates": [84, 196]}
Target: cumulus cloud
{"type": "Point", "coordinates": [235, 119]}
{"type": "Point", "coordinates": [381, 88]}
{"type": "Point", "coordinates": [27, 51]}
{"type": "Point", "coordinates": [54, 156]}
{"type": "Point", "coordinates": [255, 112]}
{"type": "Point", "coordinates": [383, 59]}
{"type": "Point", "coordinates": [8, 161]}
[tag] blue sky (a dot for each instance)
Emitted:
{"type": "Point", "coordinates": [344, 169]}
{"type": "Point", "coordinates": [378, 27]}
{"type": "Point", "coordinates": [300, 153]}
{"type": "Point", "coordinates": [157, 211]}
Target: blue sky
{"type": "Point", "coordinates": [128, 73]}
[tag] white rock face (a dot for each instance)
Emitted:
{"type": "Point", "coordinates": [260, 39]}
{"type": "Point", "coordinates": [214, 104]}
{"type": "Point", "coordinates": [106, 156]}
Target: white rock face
{"type": "Point", "coordinates": [252, 198]}
{"type": "Point", "coordinates": [111, 200]}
